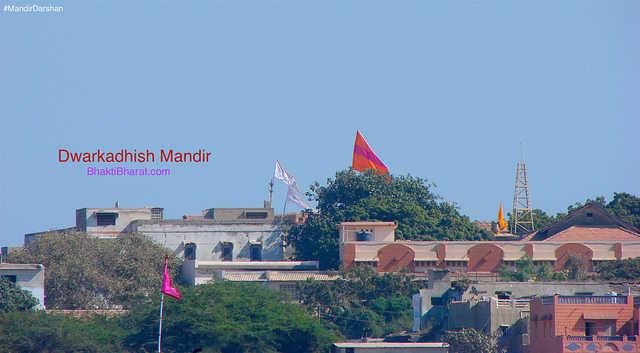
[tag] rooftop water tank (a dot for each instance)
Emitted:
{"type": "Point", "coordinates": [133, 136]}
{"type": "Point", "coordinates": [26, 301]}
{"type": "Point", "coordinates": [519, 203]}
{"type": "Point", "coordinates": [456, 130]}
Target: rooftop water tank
{"type": "Point", "coordinates": [364, 236]}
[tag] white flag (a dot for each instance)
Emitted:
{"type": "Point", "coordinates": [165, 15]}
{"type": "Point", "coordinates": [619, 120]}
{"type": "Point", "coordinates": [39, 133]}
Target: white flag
{"type": "Point", "coordinates": [286, 178]}
{"type": "Point", "coordinates": [293, 198]}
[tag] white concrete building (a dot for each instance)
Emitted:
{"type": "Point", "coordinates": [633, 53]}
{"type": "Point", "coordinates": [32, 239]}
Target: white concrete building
{"type": "Point", "coordinates": [28, 276]}
{"type": "Point", "coordinates": [220, 234]}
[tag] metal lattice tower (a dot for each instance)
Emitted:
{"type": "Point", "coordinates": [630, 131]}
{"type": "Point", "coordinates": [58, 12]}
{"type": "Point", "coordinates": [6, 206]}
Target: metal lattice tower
{"type": "Point", "coordinates": [522, 212]}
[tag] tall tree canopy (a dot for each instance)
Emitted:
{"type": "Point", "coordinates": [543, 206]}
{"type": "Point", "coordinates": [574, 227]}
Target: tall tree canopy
{"type": "Point", "coordinates": [223, 317]}
{"type": "Point", "coordinates": [226, 317]}
{"type": "Point", "coordinates": [627, 207]}
{"type": "Point", "coordinates": [83, 272]}
{"type": "Point", "coordinates": [368, 196]}
{"type": "Point", "coordinates": [468, 340]}
{"type": "Point", "coordinates": [364, 303]}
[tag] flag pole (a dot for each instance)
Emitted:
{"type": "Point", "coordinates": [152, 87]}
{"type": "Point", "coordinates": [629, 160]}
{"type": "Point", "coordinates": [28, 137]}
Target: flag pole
{"type": "Point", "coordinates": [283, 209]}
{"type": "Point", "coordinates": [160, 328]}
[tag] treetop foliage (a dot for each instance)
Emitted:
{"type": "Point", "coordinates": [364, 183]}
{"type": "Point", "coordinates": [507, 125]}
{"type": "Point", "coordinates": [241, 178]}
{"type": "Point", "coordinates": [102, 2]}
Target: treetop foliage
{"type": "Point", "coordinates": [84, 272]}
{"type": "Point", "coordinates": [369, 196]}
{"type": "Point", "coordinates": [228, 317]}
{"type": "Point", "coordinates": [622, 270]}
{"type": "Point", "coordinates": [223, 317]}
{"type": "Point", "coordinates": [468, 340]}
{"type": "Point", "coordinates": [364, 303]}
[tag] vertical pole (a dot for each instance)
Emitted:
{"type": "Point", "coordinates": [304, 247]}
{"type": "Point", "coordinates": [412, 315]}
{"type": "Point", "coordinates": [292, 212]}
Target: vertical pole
{"type": "Point", "coordinates": [284, 209]}
{"type": "Point", "coordinates": [160, 328]}
{"type": "Point", "coordinates": [271, 193]}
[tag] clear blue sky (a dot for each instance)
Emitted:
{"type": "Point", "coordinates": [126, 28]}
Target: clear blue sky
{"type": "Point", "coordinates": [442, 90]}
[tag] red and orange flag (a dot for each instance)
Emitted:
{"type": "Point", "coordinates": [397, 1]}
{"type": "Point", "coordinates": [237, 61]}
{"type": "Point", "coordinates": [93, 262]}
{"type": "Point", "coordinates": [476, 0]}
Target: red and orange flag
{"type": "Point", "coordinates": [364, 158]}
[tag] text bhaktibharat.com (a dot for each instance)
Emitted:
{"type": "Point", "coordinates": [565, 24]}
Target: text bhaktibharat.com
{"type": "Point", "coordinates": [122, 171]}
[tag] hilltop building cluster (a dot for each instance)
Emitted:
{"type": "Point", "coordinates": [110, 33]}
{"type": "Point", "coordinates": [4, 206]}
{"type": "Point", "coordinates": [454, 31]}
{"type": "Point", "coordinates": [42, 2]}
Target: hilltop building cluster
{"type": "Point", "coordinates": [246, 244]}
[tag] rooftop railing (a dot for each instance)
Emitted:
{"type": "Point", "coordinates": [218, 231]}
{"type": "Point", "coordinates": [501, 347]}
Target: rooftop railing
{"type": "Point", "coordinates": [547, 300]}
{"type": "Point", "coordinates": [513, 303]}
{"type": "Point", "coordinates": [590, 299]}
{"type": "Point", "coordinates": [601, 338]}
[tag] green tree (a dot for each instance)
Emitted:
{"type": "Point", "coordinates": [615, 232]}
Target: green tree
{"type": "Point", "coordinates": [577, 266]}
{"type": "Point", "coordinates": [38, 331]}
{"type": "Point", "coordinates": [544, 272]}
{"type": "Point", "coordinates": [599, 200]}
{"type": "Point", "coordinates": [524, 270]}
{"type": "Point", "coordinates": [541, 219]}
{"type": "Point", "coordinates": [620, 270]}
{"type": "Point", "coordinates": [83, 272]}
{"type": "Point", "coordinates": [368, 196]}
{"type": "Point", "coordinates": [221, 317]}
{"type": "Point", "coordinates": [14, 298]}
{"type": "Point", "coordinates": [468, 340]}
{"type": "Point", "coordinates": [364, 303]}
{"type": "Point", "coordinates": [226, 317]}
{"type": "Point", "coordinates": [627, 207]}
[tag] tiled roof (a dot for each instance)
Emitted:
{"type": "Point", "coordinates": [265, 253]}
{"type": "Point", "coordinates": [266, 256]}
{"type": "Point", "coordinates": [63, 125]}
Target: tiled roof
{"type": "Point", "coordinates": [292, 276]}
{"type": "Point", "coordinates": [245, 276]}
{"type": "Point", "coordinates": [528, 237]}
{"type": "Point", "coordinates": [284, 276]}
{"type": "Point", "coordinates": [575, 233]}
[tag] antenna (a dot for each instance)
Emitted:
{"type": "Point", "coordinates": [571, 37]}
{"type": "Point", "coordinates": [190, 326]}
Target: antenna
{"type": "Point", "coordinates": [522, 212]}
{"type": "Point", "coordinates": [520, 152]}
{"type": "Point", "coordinates": [271, 192]}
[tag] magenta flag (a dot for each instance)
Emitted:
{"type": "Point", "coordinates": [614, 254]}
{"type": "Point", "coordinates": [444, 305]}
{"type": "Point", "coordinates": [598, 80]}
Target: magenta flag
{"type": "Point", "coordinates": [166, 283]}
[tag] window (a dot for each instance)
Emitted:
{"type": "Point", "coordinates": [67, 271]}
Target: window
{"type": "Point", "coordinates": [589, 215]}
{"type": "Point", "coordinates": [227, 251]}
{"type": "Point", "coordinates": [157, 213]}
{"type": "Point", "coordinates": [190, 251]}
{"type": "Point", "coordinates": [503, 330]}
{"type": "Point", "coordinates": [590, 329]}
{"type": "Point", "coordinates": [350, 350]}
{"type": "Point", "coordinates": [256, 252]}
{"type": "Point", "coordinates": [106, 219]}
{"type": "Point", "coordinates": [256, 215]}
{"type": "Point", "coordinates": [437, 301]}
{"type": "Point", "coordinates": [10, 278]}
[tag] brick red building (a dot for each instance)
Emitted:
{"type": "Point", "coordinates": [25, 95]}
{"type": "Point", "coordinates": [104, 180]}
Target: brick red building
{"type": "Point", "coordinates": [584, 324]}
{"type": "Point", "coordinates": [590, 231]}
{"type": "Point", "coordinates": [373, 244]}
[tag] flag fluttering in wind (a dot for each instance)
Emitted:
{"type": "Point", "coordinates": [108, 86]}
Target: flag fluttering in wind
{"type": "Point", "coordinates": [293, 198]}
{"type": "Point", "coordinates": [166, 283]}
{"type": "Point", "coordinates": [503, 224]}
{"type": "Point", "coordinates": [286, 178]}
{"type": "Point", "coordinates": [364, 158]}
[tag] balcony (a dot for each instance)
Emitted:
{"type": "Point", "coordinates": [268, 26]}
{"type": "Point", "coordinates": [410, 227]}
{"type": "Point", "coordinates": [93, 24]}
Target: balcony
{"type": "Point", "coordinates": [588, 344]}
{"type": "Point", "coordinates": [601, 338]}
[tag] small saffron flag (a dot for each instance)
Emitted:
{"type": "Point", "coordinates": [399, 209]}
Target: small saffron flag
{"type": "Point", "coordinates": [503, 224]}
{"type": "Point", "coordinates": [166, 283]}
{"type": "Point", "coordinates": [364, 158]}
